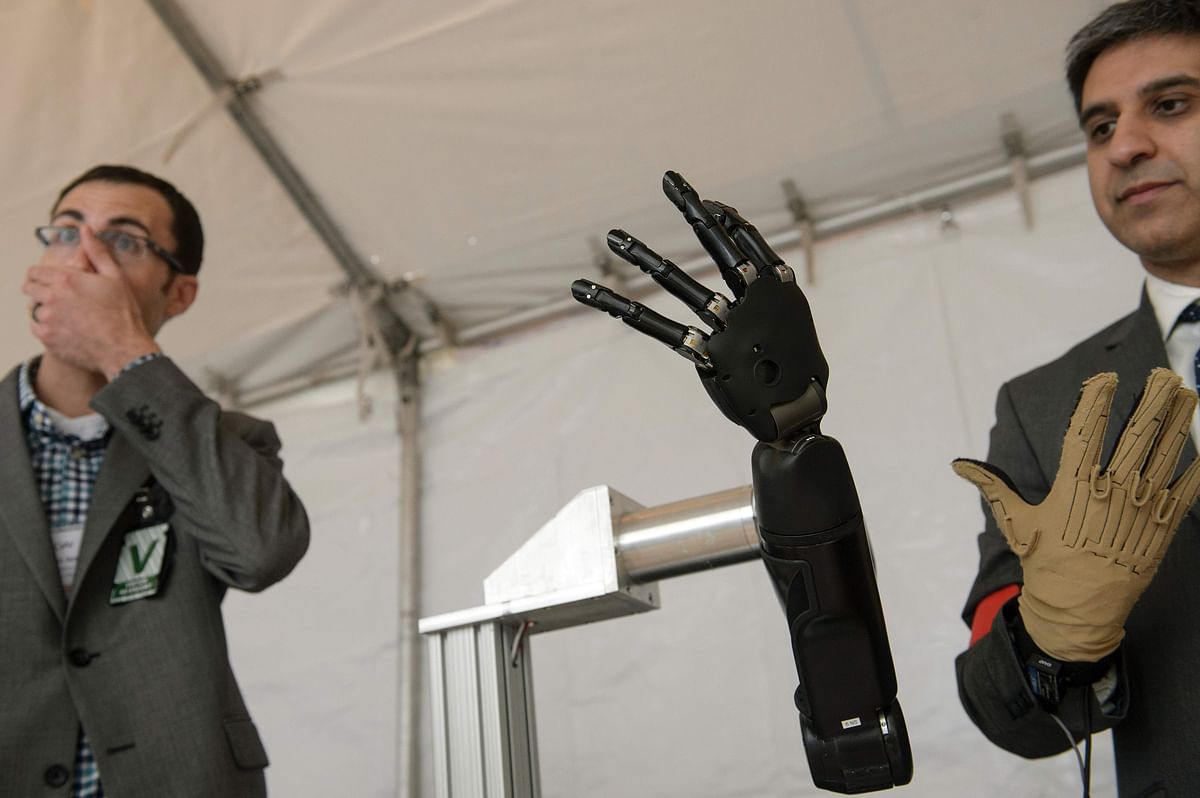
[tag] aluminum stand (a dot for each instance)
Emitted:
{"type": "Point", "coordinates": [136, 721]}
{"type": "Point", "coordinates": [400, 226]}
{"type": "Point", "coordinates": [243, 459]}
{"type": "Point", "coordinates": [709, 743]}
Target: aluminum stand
{"type": "Point", "coordinates": [598, 558]}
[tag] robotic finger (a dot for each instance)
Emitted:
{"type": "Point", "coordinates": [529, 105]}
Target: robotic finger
{"type": "Point", "coordinates": [708, 305]}
{"type": "Point", "coordinates": [687, 341]}
{"type": "Point", "coordinates": [735, 267]}
{"type": "Point", "coordinates": [750, 241]}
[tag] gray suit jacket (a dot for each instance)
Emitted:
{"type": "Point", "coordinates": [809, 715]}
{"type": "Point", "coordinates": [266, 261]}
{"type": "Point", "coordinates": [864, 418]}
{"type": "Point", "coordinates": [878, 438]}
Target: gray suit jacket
{"type": "Point", "coordinates": [149, 680]}
{"type": "Point", "coordinates": [1156, 737]}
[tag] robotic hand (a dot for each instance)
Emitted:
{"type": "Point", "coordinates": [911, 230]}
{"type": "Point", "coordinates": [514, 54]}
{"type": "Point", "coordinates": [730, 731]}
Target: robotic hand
{"type": "Point", "coordinates": [763, 368]}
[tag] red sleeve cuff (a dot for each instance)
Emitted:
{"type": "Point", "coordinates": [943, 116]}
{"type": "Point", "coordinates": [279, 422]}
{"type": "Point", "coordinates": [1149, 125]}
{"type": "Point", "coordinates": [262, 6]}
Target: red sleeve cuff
{"type": "Point", "coordinates": [985, 611]}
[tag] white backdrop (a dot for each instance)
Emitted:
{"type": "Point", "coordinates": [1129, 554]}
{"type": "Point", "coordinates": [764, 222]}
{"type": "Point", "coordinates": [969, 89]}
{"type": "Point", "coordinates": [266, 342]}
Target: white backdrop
{"type": "Point", "coordinates": [920, 324]}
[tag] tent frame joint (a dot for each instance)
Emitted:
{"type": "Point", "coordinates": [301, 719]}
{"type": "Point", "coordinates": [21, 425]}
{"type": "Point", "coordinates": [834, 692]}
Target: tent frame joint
{"type": "Point", "coordinates": [1018, 160]}
{"type": "Point", "coordinates": [806, 227]}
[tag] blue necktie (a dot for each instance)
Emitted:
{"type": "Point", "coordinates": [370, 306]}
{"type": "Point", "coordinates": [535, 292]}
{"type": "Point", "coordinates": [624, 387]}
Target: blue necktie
{"type": "Point", "coordinates": [1190, 315]}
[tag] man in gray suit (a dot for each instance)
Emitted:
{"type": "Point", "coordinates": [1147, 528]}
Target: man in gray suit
{"type": "Point", "coordinates": [1135, 76]}
{"type": "Point", "coordinates": [130, 503]}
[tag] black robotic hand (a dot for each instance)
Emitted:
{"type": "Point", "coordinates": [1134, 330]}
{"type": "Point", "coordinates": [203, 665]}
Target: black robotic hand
{"type": "Point", "coordinates": [762, 366]}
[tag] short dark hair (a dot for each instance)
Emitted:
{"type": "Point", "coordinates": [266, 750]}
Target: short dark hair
{"type": "Point", "coordinates": [1125, 22]}
{"type": "Point", "coordinates": [185, 222]}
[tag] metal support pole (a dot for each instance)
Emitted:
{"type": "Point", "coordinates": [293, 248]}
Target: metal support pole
{"type": "Point", "coordinates": [397, 337]}
{"type": "Point", "coordinates": [484, 740]}
{"type": "Point", "coordinates": [408, 419]}
{"type": "Point", "coordinates": [359, 275]}
{"type": "Point", "coordinates": [700, 266]}
{"type": "Point", "coordinates": [691, 535]}
{"type": "Point", "coordinates": [181, 28]}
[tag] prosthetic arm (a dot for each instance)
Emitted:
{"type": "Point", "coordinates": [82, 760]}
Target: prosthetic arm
{"type": "Point", "coordinates": [763, 368]}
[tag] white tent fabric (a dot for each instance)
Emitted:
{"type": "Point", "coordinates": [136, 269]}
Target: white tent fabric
{"type": "Point", "coordinates": [480, 146]}
{"type": "Point", "coordinates": [316, 654]}
{"type": "Point", "coordinates": [921, 324]}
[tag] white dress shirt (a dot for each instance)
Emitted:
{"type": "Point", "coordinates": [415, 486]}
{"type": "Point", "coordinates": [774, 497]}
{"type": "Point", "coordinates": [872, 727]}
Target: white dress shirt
{"type": "Point", "coordinates": [1182, 342]}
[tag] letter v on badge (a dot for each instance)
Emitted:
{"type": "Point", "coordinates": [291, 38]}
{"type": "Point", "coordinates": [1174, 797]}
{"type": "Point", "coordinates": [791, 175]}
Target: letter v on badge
{"type": "Point", "coordinates": [140, 564]}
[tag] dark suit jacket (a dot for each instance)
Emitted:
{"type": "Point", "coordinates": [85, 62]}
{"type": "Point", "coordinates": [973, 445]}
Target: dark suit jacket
{"type": "Point", "coordinates": [1156, 737]}
{"type": "Point", "coordinates": [149, 680]}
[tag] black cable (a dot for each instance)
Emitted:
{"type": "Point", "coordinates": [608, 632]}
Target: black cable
{"type": "Point", "coordinates": [1087, 747]}
{"type": "Point", "coordinates": [1075, 749]}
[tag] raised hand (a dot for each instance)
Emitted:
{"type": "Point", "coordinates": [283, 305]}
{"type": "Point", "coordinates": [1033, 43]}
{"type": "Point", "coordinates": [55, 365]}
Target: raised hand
{"type": "Point", "coordinates": [1091, 547]}
{"type": "Point", "coordinates": [762, 364]}
{"type": "Point", "coordinates": [85, 312]}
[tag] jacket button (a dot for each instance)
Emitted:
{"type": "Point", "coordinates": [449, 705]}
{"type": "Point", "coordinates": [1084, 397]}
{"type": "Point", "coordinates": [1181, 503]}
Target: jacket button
{"type": "Point", "coordinates": [80, 658]}
{"type": "Point", "coordinates": [56, 776]}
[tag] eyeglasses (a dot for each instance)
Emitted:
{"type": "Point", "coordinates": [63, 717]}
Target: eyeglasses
{"type": "Point", "coordinates": [126, 248]}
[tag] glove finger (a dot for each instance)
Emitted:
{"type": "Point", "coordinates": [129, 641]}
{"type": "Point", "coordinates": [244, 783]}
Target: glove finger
{"type": "Point", "coordinates": [1146, 554]}
{"type": "Point", "coordinates": [1144, 424]}
{"type": "Point", "coordinates": [1166, 515]}
{"type": "Point", "coordinates": [1184, 491]}
{"type": "Point", "coordinates": [1164, 457]}
{"type": "Point", "coordinates": [1089, 420]}
{"type": "Point", "coordinates": [1002, 498]}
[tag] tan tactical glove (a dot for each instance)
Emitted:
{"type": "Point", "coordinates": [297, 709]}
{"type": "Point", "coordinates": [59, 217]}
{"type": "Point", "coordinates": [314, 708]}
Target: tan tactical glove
{"type": "Point", "coordinates": [1094, 543]}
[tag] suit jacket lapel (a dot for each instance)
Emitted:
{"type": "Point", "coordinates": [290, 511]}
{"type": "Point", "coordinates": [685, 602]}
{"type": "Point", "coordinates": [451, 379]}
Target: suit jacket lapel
{"type": "Point", "coordinates": [122, 474]}
{"type": "Point", "coordinates": [22, 515]}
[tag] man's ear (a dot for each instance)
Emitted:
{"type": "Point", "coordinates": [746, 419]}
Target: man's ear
{"type": "Point", "coordinates": [181, 293]}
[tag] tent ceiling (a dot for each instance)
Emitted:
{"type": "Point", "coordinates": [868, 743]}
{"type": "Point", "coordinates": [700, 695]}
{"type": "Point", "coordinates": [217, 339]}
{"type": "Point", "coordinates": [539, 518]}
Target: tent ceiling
{"type": "Point", "coordinates": [481, 147]}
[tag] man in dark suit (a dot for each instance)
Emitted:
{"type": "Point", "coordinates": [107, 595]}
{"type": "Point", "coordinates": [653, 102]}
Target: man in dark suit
{"type": "Point", "coordinates": [1135, 75]}
{"type": "Point", "coordinates": [130, 503]}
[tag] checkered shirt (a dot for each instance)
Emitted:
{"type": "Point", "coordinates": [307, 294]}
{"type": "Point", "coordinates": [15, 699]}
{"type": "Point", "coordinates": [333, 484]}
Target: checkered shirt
{"type": "Point", "coordinates": [65, 468]}
{"type": "Point", "coordinates": [64, 465]}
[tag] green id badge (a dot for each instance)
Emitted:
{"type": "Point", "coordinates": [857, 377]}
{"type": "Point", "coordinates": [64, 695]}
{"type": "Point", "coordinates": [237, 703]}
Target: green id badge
{"type": "Point", "coordinates": [140, 565]}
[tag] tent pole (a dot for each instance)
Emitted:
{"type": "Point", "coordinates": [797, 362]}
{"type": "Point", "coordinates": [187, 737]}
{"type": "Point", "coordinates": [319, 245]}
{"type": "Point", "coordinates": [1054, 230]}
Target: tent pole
{"type": "Point", "coordinates": [399, 339]}
{"type": "Point", "coordinates": [408, 418]}
{"type": "Point", "coordinates": [972, 186]}
{"type": "Point", "coordinates": [188, 39]}
{"type": "Point", "coordinates": [981, 183]}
